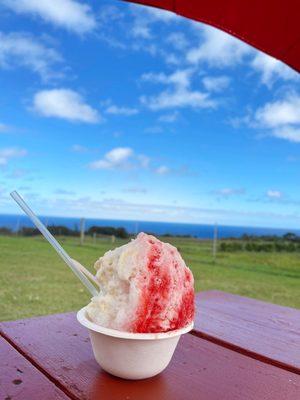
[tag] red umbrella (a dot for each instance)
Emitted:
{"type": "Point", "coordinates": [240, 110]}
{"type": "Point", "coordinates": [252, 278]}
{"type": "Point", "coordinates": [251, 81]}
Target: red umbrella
{"type": "Point", "coordinates": [272, 26]}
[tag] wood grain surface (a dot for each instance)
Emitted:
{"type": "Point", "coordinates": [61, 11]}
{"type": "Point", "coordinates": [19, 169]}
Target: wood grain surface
{"type": "Point", "coordinates": [200, 369]}
{"type": "Point", "coordinates": [20, 380]}
{"type": "Point", "coordinates": [265, 331]}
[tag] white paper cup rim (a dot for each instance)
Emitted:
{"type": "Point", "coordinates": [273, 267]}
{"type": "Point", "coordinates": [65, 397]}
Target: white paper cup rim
{"type": "Point", "coordinates": [83, 320]}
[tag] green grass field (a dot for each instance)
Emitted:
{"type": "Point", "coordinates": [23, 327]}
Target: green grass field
{"type": "Point", "coordinates": [34, 280]}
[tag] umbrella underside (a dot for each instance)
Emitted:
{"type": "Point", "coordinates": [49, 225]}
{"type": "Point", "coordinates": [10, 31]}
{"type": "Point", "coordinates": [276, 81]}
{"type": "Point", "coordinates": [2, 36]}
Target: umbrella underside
{"type": "Point", "coordinates": [272, 26]}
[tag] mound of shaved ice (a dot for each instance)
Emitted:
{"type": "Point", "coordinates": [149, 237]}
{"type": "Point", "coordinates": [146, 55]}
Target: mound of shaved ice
{"type": "Point", "coordinates": [145, 287]}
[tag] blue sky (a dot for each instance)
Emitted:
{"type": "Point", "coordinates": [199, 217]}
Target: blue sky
{"type": "Point", "coordinates": [113, 110]}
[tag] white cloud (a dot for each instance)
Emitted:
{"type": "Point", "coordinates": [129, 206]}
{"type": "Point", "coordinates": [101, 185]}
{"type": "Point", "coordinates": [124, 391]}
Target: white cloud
{"type": "Point", "coordinates": [78, 148]}
{"type": "Point", "coordinates": [288, 132]}
{"type": "Point", "coordinates": [162, 170]}
{"type": "Point", "coordinates": [178, 95]}
{"type": "Point", "coordinates": [119, 154]}
{"type": "Point", "coordinates": [23, 49]}
{"type": "Point", "coordinates": [179, 78]}
{"type": "Point", "coordinates": [280, 113]}
{"type": "Point", "coordinates": [272, 69]}
{"type": "Point", "coordinates": [110, 12]}
{"type": "Point", "coordinates": [64, 192]}
{"type": "Point", "coordinates": [127, 111]}
{"type": "Point", "coordinates": [66, 104]}
{"type": "Point", "coordinates": [158, 14]}
{"type": "Point", "coordinates": [121, 158]}
{"type": "Point", "coordinates": [6, 154]}
{"type": "Point", "coordinates": [169, 118]}
{"type": "Point", "coordinates": [215, 83]}
{"type": "Point", "coordinates": [144, 17]}
{"type": "Point", "coordinates": [116, 207]}
{"type": "Point", "coordinates": [218, 49]}
{"type": "Point", "coordinates": [119, 208]}
{"type": "Point", "coordinates": [179, 98]}
{"type": "Point", "coordinates": [274, 194]}
{"type": "Point", "coordinates": [170, 58]}
{"type": "Point", "coordinates": [227, 192]}
{"type": "Point", "coordinates": [178, 40]}
{"type": "Point", "coordinates": [141, 30]}
{"type": "Point", "coordinates": [144, 160]}
{"type": "Point", "coordinates": [115, 158]}
{"type": "Point", "coordinates": [135, 189]}
{"type": "Point", "coordinates": [281, 117]}
{"type": "Point", "coordinates": [69, 14]}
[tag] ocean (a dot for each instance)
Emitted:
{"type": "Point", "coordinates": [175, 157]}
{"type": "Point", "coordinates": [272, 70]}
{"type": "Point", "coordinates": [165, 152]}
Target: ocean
{"type": "Point", "coordinates": [202, 231]}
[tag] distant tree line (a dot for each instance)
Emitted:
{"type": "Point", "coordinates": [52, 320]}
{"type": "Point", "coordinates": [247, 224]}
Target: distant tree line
{"type": "Point", "coordinates": [177, 236]}
{"type": "Point", "coordinates": [289, 237]}
{"type": "Point", "coordinates": [289, 242]}
{"type": "Point", "coordinates": [59, 230]}
{"type": "Point", "coordinates": [108, 230]}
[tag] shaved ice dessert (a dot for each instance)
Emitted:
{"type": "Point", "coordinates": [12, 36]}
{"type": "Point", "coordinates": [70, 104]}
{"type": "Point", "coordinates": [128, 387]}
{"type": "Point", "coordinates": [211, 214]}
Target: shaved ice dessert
{"type": "Point", "coordinates": [145, 288]}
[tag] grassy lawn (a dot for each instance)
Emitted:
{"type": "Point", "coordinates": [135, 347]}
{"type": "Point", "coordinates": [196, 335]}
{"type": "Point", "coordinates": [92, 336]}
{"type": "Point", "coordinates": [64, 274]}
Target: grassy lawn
{"type": "Point", "coordinates": [34, 281]}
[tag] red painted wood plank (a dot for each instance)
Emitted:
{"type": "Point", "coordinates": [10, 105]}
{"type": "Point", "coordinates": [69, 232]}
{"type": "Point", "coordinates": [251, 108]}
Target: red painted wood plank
{"type": "Point", "coordinates": [19, 379]}
{"type": "Point", "coordinates": [199, 370]}
{"type": "Point", "coordinates": [264, 331]}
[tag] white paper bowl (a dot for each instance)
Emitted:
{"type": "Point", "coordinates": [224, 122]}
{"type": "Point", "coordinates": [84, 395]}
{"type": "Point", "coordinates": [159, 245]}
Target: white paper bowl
{"type": "Point", "coordinates": [131, 355]}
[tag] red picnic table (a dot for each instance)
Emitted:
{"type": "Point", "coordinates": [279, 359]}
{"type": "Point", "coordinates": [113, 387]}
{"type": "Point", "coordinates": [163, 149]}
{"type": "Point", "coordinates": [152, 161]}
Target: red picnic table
{"type": "Point", "coordinates": [239, 349]}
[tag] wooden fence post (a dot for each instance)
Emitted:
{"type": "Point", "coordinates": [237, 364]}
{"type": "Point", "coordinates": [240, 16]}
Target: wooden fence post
{"type": "Point", "coordinates": [18, 227]}
{"type": "Point", "coordinates": [82, 227]}
{"type": "Point", "coordinates": [215, 242]}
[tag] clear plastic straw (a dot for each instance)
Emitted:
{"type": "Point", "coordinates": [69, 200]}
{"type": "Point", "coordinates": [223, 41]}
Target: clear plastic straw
{"type": "Point", "coordinates": [54, 243]}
